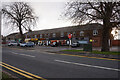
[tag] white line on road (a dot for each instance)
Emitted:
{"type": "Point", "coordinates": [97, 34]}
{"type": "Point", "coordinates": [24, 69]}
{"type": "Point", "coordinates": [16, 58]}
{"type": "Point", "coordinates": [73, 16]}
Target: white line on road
{"type": "Point", "coordinates": [88, 65]}
{"type": "Point", "coordinates": [23, 54]}
{"type": "Point", "coordinates": [14, 53]}
{"type": "Point", "coordinates": [27, 55]}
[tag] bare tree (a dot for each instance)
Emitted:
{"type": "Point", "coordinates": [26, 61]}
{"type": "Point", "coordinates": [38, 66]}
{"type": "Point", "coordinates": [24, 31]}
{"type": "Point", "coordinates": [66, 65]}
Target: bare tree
{"type": "Point", "coordinates": [20, 15]}
{"type": "Point", "coordinates": [108, 13]}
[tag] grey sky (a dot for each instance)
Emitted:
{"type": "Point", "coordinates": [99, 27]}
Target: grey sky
{"type": "Point", "coordinates": [48, 11]}
{"type": "Point", "coordinates": [49, 15]}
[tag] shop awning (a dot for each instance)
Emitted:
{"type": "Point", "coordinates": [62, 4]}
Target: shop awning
{"type": "Point", "coordinates": [34, 39]}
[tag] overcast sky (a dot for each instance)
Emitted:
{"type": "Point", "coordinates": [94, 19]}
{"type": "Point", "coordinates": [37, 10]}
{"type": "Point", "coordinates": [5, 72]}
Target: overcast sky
{"type": "Point", "coordinates": [48, 12]}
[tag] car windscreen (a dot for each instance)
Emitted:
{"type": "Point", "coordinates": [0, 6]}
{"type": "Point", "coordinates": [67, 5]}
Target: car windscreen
{"type": "Point", "coordinates": [29, 43]}
{"type": "Point", "coordinates": [83, 42]}
{"type": "Point", "coordinates": [13, 42]}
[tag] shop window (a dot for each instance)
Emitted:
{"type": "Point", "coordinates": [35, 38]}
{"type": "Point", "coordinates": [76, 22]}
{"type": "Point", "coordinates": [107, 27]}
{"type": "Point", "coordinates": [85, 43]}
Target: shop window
{"type": "Point", "coordinates": [48, 35]}
{"type": "Point", "coordinates": [74, 33]}
{"type": "Point", "coordinates": [62, 34]}
{"type": "Point", "coordinates": [45, 35]}
{"type": "Point", "coordinates": [35, 36]}
{"type": "Point", "coordinates": [54, 35]}
{"type": "Point", "coordinates": [81, 33]}
{"type": "Point", "coordinates": [95, 32]}
{"type": "Point", "coordinates": [40, 35]}
{"type": "Point", "coordinates": [26, 36]}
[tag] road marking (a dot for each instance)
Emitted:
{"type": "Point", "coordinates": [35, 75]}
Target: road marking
{"type": "Point", "coordinates": [14, 53]}
{"type": "Point", "coordinates": [90, 57]}
{"type": "Point", "coordinates": [30, 50]}
{"type": "Point", "coordinates": [27, 73]}
{"type": "Point", "coordinates": [87, 65]}
{"type": "Point", "coordinates": [49, 53]}
{"type": "Point", "coordinates": [16, 48]}
{"type": "Point", "coordinates": [17, 72]}
{"type": "Point", "coordinates": [22, 54]}
{"type": "Point", "coordinates": [27, 55]}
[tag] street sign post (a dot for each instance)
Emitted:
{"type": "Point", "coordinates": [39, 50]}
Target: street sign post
{"type": "Point", "coordinates": [69, 36]}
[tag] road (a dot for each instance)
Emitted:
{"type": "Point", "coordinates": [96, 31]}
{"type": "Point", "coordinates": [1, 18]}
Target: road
{"type": "Point", "coordinates": [50, 65]}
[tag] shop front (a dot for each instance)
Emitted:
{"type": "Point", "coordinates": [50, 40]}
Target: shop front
{"type": "Point", "coordinates": [42, 41]}
{"type": "Point", "coordinates": [59, 41]}
{"type": "Point", "coordinates": [35, 40]}
{"type": "Point", "coordinates": [27, 40]}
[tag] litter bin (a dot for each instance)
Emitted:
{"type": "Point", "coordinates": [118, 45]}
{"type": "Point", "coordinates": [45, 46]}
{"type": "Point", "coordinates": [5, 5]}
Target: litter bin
{"type": "Point", "coordinates": [87, 47]}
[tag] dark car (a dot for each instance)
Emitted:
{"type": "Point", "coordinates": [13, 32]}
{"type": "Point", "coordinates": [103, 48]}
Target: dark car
{"type": "Point", "coordinates": [54, 44]}
{"type": "Point", "coordinates": [75, 45]}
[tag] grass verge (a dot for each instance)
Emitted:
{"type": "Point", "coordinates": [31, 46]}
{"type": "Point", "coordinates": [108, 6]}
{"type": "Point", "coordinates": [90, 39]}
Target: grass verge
{"type": "Point", "coordinates": [5, 76]}
{"type": "Point", "coordinates": [95, 52]}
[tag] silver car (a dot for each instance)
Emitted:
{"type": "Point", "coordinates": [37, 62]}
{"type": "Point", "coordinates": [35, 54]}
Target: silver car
{"type": "Point", "coordinates": [12, 43]}
{"type": "Point", "coordinates": [23, 44]}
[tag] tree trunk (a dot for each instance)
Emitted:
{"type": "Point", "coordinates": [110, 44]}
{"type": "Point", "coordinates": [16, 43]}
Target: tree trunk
{"type": "Point", "coordinates": [106, 35]}
{"type": "Point", "coordinates": [106, 27]}
{"type": "Point", "coordinates": [105, 40]}
{"type": "Point", "coordinates": [21, 33]}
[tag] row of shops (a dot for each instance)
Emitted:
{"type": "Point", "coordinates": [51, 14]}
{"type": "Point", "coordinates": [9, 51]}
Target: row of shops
{"type": "Point", "coordinates": [59, 36]}
{"type": "Point", "coordinates": [48, 42]}
{"type": "Point", "coordinates": [58, 41]}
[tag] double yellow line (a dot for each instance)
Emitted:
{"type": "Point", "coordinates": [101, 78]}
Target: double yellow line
{"type": "Point", "coordinates": [21, 72]}
{"type": "Point", "coordinates": [91, 57]}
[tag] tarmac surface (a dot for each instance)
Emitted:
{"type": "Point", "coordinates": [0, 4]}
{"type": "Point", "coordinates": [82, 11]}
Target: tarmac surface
{"type": "Point", "coordinates": [41, 62]}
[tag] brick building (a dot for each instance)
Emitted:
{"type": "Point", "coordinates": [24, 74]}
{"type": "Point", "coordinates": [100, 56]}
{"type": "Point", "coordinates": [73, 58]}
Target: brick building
{"type": "Point", "coordinates": [79, 33]}
{"type": "Point", "coordinates": [13, 36]}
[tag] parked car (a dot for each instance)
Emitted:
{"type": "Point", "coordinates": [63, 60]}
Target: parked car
{"type": "Point", "coordinates": [12, 43]}
{"type": "Point", "coordinates": [22, 44]}
{"type": "Point", "coordinates": [75, 45]}
{"type": "Point", "coordinates": [28, 44]}
{"type": "Point", "coordinates": [18, 44]}
{"type": "Point", "coordinates": [82, 43]}
{"type": "Point", "coordinates": [54, 44]}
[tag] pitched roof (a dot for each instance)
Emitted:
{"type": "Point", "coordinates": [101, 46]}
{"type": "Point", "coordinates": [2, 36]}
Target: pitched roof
{"type": "Point", "coordinates": [13, 34]}
{"type": "Point", "coordinates": [69, 29]}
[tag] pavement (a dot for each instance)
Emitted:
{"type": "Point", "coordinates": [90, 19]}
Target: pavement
{"type": "Point", "coordinates": [45, 65]}
{"type": "Point", "coordinates": [58, 50]}
{"type": "Point", "coordinates": [115, 48]}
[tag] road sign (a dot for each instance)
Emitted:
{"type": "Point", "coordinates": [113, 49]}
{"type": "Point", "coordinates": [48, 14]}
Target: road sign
{"type": "Point", "coordinates": [69, 35]}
